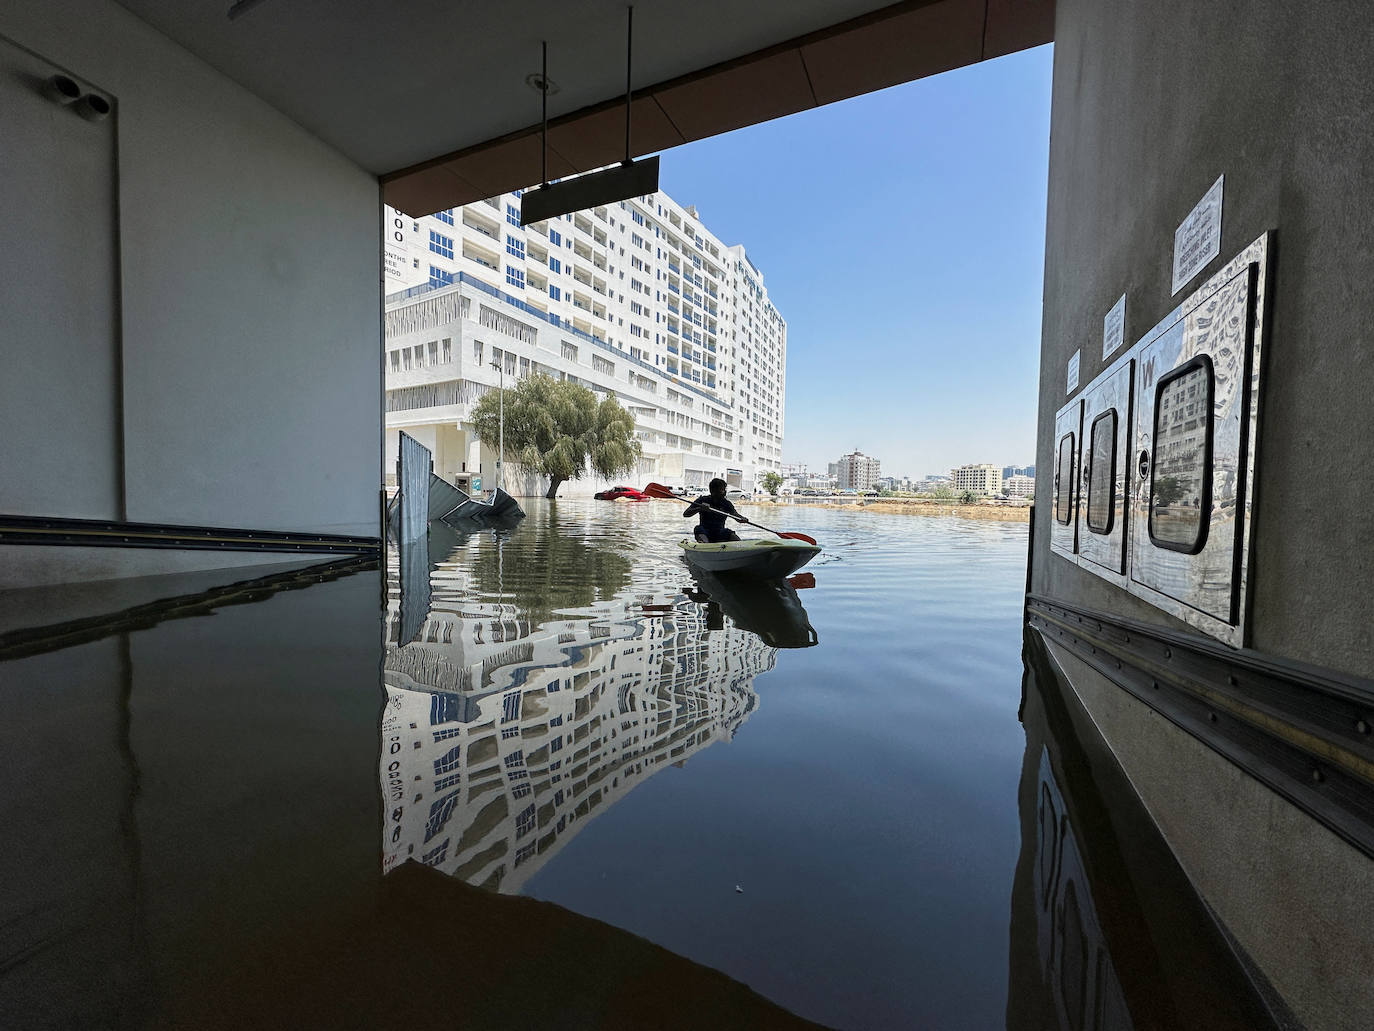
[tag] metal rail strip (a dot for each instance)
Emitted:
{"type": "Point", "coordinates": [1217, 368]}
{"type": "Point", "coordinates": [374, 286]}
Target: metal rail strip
{"type": "Point", "coordinates": [52, 530]}
{"type": "Point", "coordinates": [1303, 731]}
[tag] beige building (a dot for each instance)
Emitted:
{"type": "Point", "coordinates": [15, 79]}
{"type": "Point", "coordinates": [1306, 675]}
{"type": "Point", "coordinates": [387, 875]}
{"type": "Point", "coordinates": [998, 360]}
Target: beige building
{"type": "Point", "coordinates": [857, 470]}
{"type": "Point", "coordinates": [1019, 486]}
{"type": "Point", "coordinates": [983, 478]}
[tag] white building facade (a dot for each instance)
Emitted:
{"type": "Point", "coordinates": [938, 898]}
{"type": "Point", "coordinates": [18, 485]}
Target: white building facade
{"type": "Point", "coordinates": [636, 300]}
{"type": "Point", "coordinates": [982, 478]}
{"type": "Point", "coordinates": [1019, 486]}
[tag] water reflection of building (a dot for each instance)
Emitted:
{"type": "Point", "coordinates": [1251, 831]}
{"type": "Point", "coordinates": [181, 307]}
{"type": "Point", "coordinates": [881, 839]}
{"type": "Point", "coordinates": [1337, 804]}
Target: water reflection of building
{"type": "Point", "coordinates": [501, 738]}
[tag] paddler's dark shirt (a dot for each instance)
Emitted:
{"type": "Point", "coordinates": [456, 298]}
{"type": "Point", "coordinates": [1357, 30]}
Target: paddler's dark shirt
{"type": "Point", "coordinates": [713, 521]}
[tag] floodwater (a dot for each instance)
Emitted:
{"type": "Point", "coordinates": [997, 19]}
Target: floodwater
{"type": "Point", "coordinates": [252, 803]}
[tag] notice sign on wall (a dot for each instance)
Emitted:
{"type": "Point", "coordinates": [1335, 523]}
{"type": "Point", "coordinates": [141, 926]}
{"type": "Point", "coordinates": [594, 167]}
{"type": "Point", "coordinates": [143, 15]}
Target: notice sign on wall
{"type": "Point", "coordinates": [1073, 372]}
{"type": "Point", "coordinates": [1114, 328]}
{"type": "Point", "coordinates": [1198, 239]}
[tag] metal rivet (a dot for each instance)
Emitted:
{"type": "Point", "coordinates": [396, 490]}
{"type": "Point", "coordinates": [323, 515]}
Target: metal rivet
{"type": "Point", "coordinates": [1318, 776]}
{"type": "Point", "coordinates": [1154, 684]}
{"type": "Point", "coordinates": [1231, 679]}
{"type": "Point", "coordinates": [1168, 653]}
{"type": "Point", "coordinates": [1362, 726]}
{"type": "Point", "coordinates": [1212, 717]}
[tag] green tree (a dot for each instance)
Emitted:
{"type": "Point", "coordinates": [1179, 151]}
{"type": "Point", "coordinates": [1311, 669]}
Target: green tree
{"type": "Point", "coordinates": [968, 498]}
{"type": "Point", "coordinates": [558, 429]}
{"type": "Point", "coordinates": [771, 482]}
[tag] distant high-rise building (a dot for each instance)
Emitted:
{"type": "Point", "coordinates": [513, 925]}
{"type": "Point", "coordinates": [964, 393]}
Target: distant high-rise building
{"type": "Point", "coordinates": [857, 471]}
{"type": "Point", "coordinates": [1019, 486]}
{"type": "Point", "coordinates": [984, 478]}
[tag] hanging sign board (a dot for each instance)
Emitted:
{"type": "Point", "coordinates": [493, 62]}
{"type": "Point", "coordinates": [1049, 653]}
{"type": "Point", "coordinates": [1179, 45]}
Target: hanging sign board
{"type": "Point", "coordinates": [1197, 240]}
{"type": "Point", "coordinates": [619, 182]}
{"type": "Point", "coordinates": [1073, 372]}
{"type": "Point", "coordinates": [1114, 328]}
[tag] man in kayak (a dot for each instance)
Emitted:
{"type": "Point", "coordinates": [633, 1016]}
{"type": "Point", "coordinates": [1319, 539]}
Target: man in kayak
{"type": "Point", "coordinates": [711, 509]}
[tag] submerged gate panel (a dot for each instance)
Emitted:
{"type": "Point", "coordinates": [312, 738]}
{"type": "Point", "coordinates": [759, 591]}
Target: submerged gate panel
{"type": "Point", "coordinates": [1106, 471]}
{"type": "Point", "coordinates": [1193, 449]}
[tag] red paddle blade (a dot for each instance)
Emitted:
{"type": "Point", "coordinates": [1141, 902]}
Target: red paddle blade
{"type": "Point", "coordinates": [798, 537]}
{"type": "Point", "coordinates": [801, 581]}
{"type": "Point", "coordinates": [657, 490]}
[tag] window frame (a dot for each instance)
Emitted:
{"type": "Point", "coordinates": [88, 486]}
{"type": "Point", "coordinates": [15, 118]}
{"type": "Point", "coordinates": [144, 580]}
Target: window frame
{"type": "Point", "coordinates": [1204, 362]}
{"type": "Point", "coordinates": [1059, 477]}
{"type": "Point", "coordinates": [1090, 450]}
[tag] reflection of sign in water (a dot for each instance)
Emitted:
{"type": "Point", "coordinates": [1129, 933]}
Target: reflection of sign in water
{"type": "Point", "coordinates": [500, 738]}
{"type": "Point", "coordinates": [1198, 238]}
{"type": "Point", "coordinates": [1114, 328]}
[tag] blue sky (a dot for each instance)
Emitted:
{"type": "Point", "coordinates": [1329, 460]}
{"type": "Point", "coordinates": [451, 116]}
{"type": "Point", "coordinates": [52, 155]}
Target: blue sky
{"type": "Point", "coordinates": [901, 235]}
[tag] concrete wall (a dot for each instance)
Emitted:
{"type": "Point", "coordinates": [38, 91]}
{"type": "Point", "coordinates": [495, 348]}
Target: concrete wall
{"type": "Point", "coordinates": [1151, 103]}
{"type": "Point", "coordinates": [245, 383]}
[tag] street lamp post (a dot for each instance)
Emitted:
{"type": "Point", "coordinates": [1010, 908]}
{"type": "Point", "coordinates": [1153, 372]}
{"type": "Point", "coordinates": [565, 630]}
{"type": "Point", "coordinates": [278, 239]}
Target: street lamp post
{"type": "Point", "coordinates": [500, 367]}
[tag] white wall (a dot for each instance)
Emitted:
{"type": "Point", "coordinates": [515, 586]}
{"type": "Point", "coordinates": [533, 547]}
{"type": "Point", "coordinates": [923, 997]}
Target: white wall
{"type": "Point", "coordinates": [248, 336]}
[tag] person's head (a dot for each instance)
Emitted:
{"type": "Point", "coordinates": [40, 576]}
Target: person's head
{"type": "Point", "coordinates": [717, 487]}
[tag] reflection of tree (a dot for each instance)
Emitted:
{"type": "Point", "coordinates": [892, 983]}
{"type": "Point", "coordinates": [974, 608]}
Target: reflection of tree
{"type": "Point", "coordinates": [541, 570]}
{"type": "Point", "coordinates": [1168, 489]}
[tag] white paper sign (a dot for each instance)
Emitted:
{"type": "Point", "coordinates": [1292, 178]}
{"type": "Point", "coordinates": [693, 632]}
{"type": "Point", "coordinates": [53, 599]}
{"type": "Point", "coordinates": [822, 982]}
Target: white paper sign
{"type": "Point", "coordinates": [1197, 240]}
{"type": "Point", "coordinates": [1114, 328]}
{"type": "Point", "coordinates": [1073, 372]}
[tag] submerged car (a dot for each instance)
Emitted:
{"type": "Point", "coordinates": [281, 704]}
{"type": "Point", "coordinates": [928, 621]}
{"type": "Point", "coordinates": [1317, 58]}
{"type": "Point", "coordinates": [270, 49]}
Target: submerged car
{"type": "Point", "coordinates": [617, 493]}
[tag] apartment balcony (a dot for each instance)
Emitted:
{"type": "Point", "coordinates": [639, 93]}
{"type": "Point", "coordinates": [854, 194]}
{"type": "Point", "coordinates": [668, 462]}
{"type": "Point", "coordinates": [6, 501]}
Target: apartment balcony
{"type": "Point", "coordinates": [673, 349]}
{"type": "Point", "coordinates": [485, 258]}
{"type": "Point", "coordinates": [472, 221]}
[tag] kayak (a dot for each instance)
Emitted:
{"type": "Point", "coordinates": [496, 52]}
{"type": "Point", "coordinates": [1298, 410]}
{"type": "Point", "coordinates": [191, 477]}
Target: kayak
{"type": "Point", "coordinates": [765, 558]}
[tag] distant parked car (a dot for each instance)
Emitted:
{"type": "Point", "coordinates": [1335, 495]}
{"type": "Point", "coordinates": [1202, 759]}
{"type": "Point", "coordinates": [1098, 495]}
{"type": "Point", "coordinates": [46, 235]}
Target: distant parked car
{"type": "Point", "coordinates": [735, 494]}
{"type": "Point", "coordinates": [616, 493]}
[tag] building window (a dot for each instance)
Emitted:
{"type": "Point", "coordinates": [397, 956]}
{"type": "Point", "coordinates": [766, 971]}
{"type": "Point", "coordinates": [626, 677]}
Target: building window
{"type": "Point", "coordinates": [448, 350]}
{"type": "Point", "coordinates": [1063, 482]}
{"type": "Point", "coordinates": [555, 294]}
{"type": "Point", "coordinates": [445, 216]}
{"type": "Point", "coordinates": [510, 707]}
{"type": "Point", "coordinates": [569, 351]}
{"type": "Point", "coordinates": [555, 265]}
{"type": "Point", "coordinates": [477, 351]}
{"type": "Point", "coordinates": [438, 277]}
{"type": "Point", "coordinates": [555, 238]}
{"type": "Point", "coordinates": [441, 245]}
{"type": "Point", "coordinates": [524, 823]}
{"type": "Point", "coordinates": [1102, 473]}
{"type": "Point", "coordinates": [1181, 463]}
{"type": "Point", "coordinates": [448, 762]}
{"type": "Point", "coordinates": [515, 247]}
{"type": "Point", "coordinates": [512, 214]}
{"type": "Point", "coordinates": [515, 277]}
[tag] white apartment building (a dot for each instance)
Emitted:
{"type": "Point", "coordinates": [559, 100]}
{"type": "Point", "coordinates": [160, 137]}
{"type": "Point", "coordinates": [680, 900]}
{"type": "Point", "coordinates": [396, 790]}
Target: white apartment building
{"type": "Point", "coordinates": [857, 470]}
{"type": "Point", "coordinates": [636, 300]}
{"type": "Point", "coordinates": [1019, 486]}
{"type": "Point", "coordinates": [983, 478]}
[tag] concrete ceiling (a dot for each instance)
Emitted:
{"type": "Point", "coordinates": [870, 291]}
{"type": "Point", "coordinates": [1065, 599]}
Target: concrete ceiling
{"type": "Point", "coordinates": [431, 96]}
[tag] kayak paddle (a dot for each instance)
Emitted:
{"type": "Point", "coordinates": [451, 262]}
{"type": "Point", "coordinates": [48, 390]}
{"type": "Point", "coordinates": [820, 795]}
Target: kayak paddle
{"type": "Point", "coordinates": [789, 536]}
